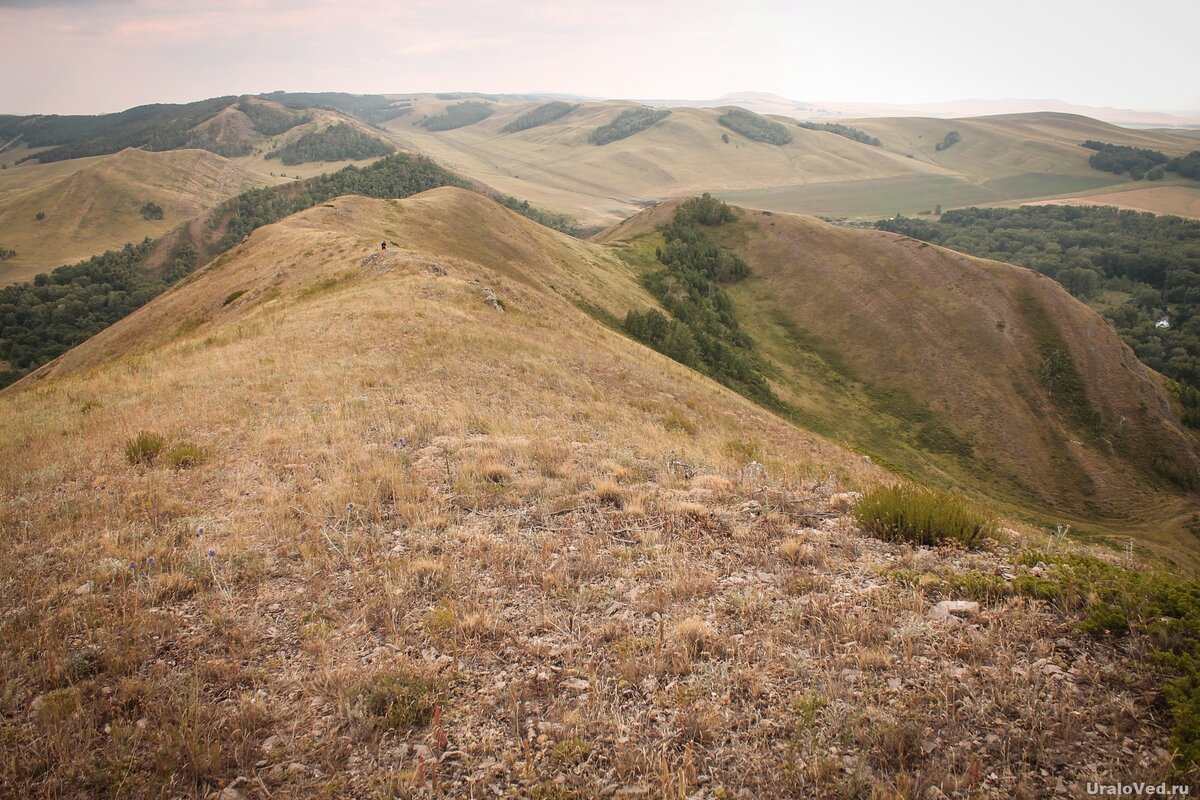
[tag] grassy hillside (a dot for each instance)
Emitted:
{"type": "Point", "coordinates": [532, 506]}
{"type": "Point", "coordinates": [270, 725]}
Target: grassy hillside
{"type": "Point", "coordinates": [958, 370]}
{"type": "Point", "coordinates": [555, 165]}
{"type": "Point", "coordinates": [1001, 159]}
{"type": "Point", "coordinates": [345, 522]}
{"type": "Point", "coordinates": [97, 205]}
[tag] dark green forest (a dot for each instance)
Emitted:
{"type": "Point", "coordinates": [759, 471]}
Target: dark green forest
{"type": "Point", "coordinates": [166, 126]}
{"type": "Point", "coordinates": [843, 130]}
{"type": "Point", "coordinates": [459, 115]}
{"type": "Point", "coordinates": [40, 321]}
{"type": "Point", "coordinates": [755, 127]}
{"type": "Point", "coordinates": [702, 331]}
{"type": "Point", "coordinates": [271, 121]}
{"type": "Point", "coordinates": [1151, 261]}
{"type": "Point", "coordinates": [541, 115]}
{"type": "Point", "coordinates": [155, 127]}
{"type": "Point", "coordinates": [1139, 162]}
{"type": "Point", "coordinates": [335, 143]}
{"type": "Point", "coordinates": [627, 124]}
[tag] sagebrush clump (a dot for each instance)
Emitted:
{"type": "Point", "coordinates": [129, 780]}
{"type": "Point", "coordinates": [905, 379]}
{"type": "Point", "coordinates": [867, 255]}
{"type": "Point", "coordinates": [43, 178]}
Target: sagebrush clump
{"type": "Point", "coordinates": [923, 516]}
{"type": "Point", "coordinates": [144, 448]}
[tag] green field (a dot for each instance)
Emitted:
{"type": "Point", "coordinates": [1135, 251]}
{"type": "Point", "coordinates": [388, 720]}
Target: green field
{"type": "Point", "coordinates": [909, 194]}
{"type": "Point", "coordinates": [1046, 184]}
{"type": "Point", "coordinates": [880, 197]}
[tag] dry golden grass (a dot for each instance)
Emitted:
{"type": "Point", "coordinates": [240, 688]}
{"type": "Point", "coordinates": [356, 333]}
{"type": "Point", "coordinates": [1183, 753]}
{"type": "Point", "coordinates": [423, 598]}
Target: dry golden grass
{"type": "Point", "coordinates": [94, 204]}
{"type": "Point", "coordinates": [339, 601]}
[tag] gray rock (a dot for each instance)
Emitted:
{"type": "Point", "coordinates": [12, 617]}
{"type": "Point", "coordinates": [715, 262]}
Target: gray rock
{"type": "Point", "coordinates": [946, 609]}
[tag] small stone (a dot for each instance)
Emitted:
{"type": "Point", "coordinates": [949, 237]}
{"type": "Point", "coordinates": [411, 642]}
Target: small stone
{"type": "Point", "coordinates": [954, 608]}
{"type": "Point", "coordinates": [84, 589]}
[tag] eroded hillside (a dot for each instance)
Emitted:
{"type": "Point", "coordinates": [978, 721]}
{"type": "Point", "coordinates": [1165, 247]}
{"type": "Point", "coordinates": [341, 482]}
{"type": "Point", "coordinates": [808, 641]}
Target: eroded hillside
{"type": "Point", "coordinates": [956, 369]}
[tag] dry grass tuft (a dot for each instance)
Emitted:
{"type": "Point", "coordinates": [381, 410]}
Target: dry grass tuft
{"type": "Point", "coordinates": [695, 638]}
{"type": "Point", "coordinates": [609, 493]}
{"type": "Point", "coordinates": [797, 551]}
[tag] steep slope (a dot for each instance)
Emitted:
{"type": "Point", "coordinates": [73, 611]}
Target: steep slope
{"type": "Point", "coordinates": [957, 369]}
{"type": "Point", "coordinates": [420, 524]}
{"type": "Point", "coordinates": [97, 206]}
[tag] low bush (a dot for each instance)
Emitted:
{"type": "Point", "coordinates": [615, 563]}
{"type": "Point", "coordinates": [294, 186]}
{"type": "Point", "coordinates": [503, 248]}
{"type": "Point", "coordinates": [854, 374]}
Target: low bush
{"type": "Point", "coordinates": [144, 448]}
{"type": "Point", "coordinates": [397, 699]}
{"type": "Point", "coordinates": [186, 455]}
{"type": "Point", "coordinates": [922, 516]}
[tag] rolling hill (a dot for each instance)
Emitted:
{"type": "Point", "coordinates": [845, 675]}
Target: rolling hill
{"type": "Point", "coordinates": [341, 520]}
{"type": "Point", "coordinates": [92, 205]}
{"type": "Point", "coordinates": [1001, 159]}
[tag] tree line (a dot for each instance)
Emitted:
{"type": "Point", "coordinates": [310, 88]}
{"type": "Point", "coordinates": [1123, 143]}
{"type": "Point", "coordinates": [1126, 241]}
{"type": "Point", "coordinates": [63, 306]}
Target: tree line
{"type": "Point", "coordinates": [843, 130]}
{"type": "Point", "coordinates": [1140, 162]}
{"type": "Point", "coordinates": [702, 330]}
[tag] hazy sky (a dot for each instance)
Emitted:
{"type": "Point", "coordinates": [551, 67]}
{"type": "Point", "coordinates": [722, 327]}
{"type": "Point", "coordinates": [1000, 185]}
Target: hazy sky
{"type": "Point", "coordinates": [88, 56]}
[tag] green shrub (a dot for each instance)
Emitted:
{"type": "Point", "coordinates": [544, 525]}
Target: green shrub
{"type": "Point", "coordinates": [186, 455]}
{"type": "Point", "coordinates": [144, 448]}
{"type": "Point", "coordinates": [398, 699]}
{"type": "Point", "coordinates": [922, 516]}
{"type": "Point", "coordinates": [1104, 618]}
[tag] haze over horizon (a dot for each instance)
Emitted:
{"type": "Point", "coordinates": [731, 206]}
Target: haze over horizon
{"type": "Point", "coordinates": [94, 56]}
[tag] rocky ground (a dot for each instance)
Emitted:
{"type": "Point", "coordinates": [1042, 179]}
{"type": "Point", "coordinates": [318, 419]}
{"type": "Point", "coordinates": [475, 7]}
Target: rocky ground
{"type": "Point", "coordinates": [558, 620]}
